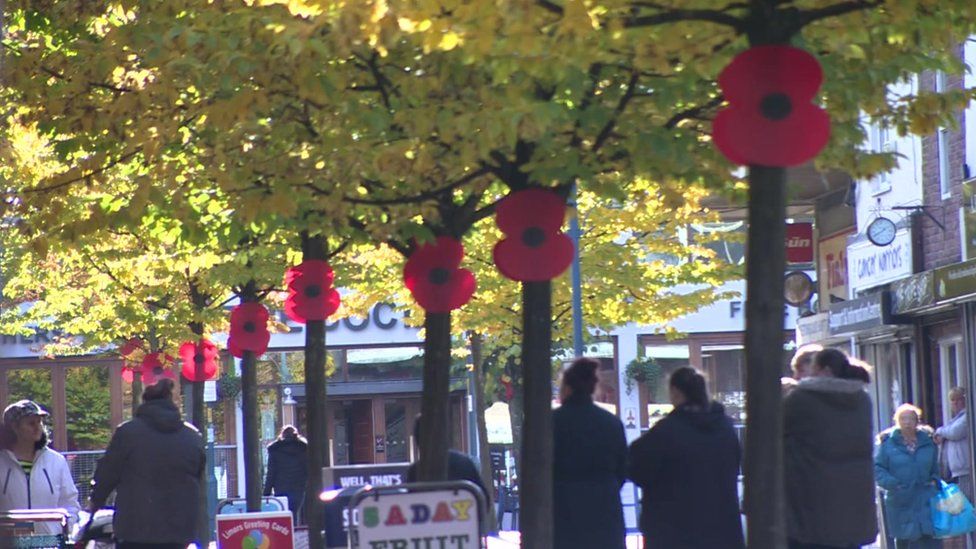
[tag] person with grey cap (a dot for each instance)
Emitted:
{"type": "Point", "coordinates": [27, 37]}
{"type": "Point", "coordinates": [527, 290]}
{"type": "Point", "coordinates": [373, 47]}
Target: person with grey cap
{"type": "Point", "coordinates": [33, 476]}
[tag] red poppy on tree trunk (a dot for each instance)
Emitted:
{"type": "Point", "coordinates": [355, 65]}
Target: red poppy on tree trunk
{"type": "Point", "coordinates": [203, 353]}
{"type": "Point", "coordinates": [433, 276]}
{"type": "Point", "coordinates": [153, 369]}
{"type": "Point", "coordinates": [534, 248]}
{"type": "Point", "coordinates": [310, 292]}
{"type": "Point", "coordinates": [770, 120]}
{"type": "Point", "coordinates": [248, 329]}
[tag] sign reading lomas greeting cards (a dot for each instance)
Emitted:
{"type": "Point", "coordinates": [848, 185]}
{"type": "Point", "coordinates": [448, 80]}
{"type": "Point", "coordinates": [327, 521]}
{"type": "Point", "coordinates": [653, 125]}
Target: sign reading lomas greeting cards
{"type": "Point", "coordinates": [255, 531]}
{"type": "Point", "coordinates": [395, 519]}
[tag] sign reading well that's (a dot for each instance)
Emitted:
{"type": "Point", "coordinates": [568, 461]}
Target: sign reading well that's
{"type": "Point", "coordinates": [255, 531]}
{"type": "Point", "coordinates": [447, 519]}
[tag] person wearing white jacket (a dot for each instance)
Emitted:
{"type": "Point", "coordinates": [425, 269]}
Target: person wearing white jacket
{"type": "Point", "coordinates": [954, 440]}
{"type": "Point", "coordinates": [33, 476]}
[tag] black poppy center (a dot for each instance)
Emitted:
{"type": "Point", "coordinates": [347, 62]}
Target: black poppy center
{"type": "Point", "coordinates": [250, 327]}
{"type": "Point", "coordinates": [776, 106]}
{"type": "Point", "coordinates": [439, 276]}
{"type": "Point", "coordinates": [313, 291]}
{"type": "Point", "coordinates": [157, 370]}
{"type": "Point", "coordinates": [533, 237]}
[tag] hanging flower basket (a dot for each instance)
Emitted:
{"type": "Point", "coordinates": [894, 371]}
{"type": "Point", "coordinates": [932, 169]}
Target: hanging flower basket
{"type": "Point", "coordinates": [228, 386]}
{"type": "Point", "coordinates": [434, 277]}
{"type": "Point", "coordinates": [643, 370]}
{"type": "Point", "coordinates": [534, 248]}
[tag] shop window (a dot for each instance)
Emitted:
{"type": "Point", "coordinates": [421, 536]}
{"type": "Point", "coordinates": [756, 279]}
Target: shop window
{"type": "Point", "coordinates": [654, 393]}
{"type": "Point", "coordinates": [725, 367]}
{"type": "Point", "coordinates": [88, 408]}
{"type": "Point", "coordinates": [385, 364]}
{"type": "Point", "coordinates": [397, 443]}
{"type": "Point", "coordinates": [952, 372]}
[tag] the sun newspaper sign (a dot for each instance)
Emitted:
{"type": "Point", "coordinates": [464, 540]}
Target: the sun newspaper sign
{"type": "Point", "coordinates": [439, 515]}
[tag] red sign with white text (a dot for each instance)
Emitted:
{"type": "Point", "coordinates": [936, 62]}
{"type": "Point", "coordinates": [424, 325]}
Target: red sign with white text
{"type": "Point", "coordinates": [271, 530]}
{"type": "Point", "coordinates": [799, 243]}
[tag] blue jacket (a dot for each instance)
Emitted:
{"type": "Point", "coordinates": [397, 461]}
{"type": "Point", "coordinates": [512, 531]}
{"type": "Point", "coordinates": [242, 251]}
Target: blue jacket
{"type": "Point", "coordinates": [909, 481]}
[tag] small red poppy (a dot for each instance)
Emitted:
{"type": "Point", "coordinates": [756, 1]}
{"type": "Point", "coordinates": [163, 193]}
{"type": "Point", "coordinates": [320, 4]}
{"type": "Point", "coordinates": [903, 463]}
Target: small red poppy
{"type": "Point", "coordinates": [310, 292]}
{"type": "Point", "coordinates": [129, 373]}
{"type": "Point", "coordinates": [534, 248]}
{"type": "Point", "coordinates": [248, 329]}
{"type": "Point", "coordinates": [433, 276]}
{"type": "Point", "coordinates": [204, 353]}
{"type": "Point", "coordinates": [154, 370]}
{"type": "Point", "coordinates": [770, 120]}
{"type": "Point", "coordinates": [130, 346]}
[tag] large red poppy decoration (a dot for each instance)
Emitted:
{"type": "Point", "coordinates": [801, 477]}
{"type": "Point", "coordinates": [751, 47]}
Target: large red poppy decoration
{"type": "Point", "coordinates": [129, 372]}
{"type": "Point", "coordinates": [153, 369]}
{"type": "Point", "coordinates": [434, 277]}
{"type": "Point", "coordinates": [203, 353]}
{"type": "Point", "coordinates": [534, 248]}
{"type": "Point", "coordinates": [130, 346]}
{"type": "Point", "coordinates": [248, 329]}
{"type": "Point", "coordinates": [310, 292]}
{"type": "Point", "coordinates": [770, 120]}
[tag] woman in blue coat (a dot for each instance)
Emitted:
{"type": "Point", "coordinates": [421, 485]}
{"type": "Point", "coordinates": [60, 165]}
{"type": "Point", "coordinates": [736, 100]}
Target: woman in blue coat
{"type": "Point", "coordinates": [906, 466]}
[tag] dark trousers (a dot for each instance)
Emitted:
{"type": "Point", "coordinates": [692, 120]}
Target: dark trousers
{"type": "Point", "coordinates": [922, 543]}
{"type": "Point", "coordinates": [799, 545]}
{"type": "Point", "coordinates": [132, 545]}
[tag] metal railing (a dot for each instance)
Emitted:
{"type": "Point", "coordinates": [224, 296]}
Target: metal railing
{"type": "Point", "coordinates": [82, 465]}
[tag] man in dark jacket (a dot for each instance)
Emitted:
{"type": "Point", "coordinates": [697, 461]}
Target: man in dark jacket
{"type": "Point", "coordinates": [687, 465]}
{"type": "Point", "coordinates": [155, 461]}
{"type": "Point", "coordinates": [288, 469]}
{"type": "Point", "coordinates": [459, 466]}
{"type": "Point", "coordinates": [589, 466]}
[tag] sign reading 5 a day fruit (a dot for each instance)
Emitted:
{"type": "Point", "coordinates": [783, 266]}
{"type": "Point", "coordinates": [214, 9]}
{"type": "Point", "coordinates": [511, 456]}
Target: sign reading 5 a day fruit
{"type": "Point", "coordinates": [404, 519]}
{"type": "Point", "coordinates": [271, 530]}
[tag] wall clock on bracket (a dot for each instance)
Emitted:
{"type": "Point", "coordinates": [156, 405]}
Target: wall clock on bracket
{"type": "Point", "coordinates": [881, 231]}
{"type": "Point", "coordinates": [797, 288]}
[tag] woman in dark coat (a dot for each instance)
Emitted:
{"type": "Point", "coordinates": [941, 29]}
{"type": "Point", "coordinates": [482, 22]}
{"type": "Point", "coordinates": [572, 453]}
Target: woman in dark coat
{"type": "Point", "coordinates": [589, 466]}
{"type": "Point", "coordinates": [688, 467]}
{"type": "Point", "coordinates": [155, 462]}
{"type": "Point", "coordinates": [827, 458]}
{"type": "Point", "coordinates": [288, 469]}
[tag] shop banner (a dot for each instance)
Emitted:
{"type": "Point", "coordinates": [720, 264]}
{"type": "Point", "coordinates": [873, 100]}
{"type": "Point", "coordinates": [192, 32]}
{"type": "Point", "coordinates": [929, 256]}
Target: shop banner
{"type": "Point", "coordinates": [832, 270]}
{"type": "Point", "coordinates": [954, 281]}
{"type": "Point", "coordinates": [379, 474]}
{"type": "Point", "coordinates": [799, 243]}
{"type": "Point", "coordinates": [912, 294]}
{"type": "Point", "coordinates": [255, 531]}
{"type": "Point", "coordinates": [812, 329]}
{"type": "Point", "coordinates": [858, 315]}
{"type": "Point", "coordinates": [869, 266]}
{"type": "Point", "coordinates": [448, 518]}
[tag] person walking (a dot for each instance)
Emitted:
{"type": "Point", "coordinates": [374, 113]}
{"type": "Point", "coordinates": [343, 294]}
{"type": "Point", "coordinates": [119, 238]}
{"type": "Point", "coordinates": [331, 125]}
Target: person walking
{"type": "Point", "coordinates": [288, 469]}
{"type": "Point", "coordinates": [32, 475]}
{"type": "Point", "coordinates": [460, 466]}
{"type": "Point", "coordinates": [953, 438]}
{"type": "Point", "coordinates": [687, 466]}
{"type": "Point", "coordinates": [155, 463]}
{"type": "Point", "coordinates": [589, 465]}
{"type": "Point", "coordinates": [907, 468]}
{"type": "Point", "coordinates": [827, 450]}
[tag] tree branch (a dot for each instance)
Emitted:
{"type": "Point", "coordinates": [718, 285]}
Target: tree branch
{"type": "Point", "coordinates": [841, 8]}
{"type": "Point", "coordinates": [421, 197]}
{"type": "Point", "coordinates": [669, 14]}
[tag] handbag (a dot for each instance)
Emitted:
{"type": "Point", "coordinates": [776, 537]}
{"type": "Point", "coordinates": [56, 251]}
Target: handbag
{"type": "Point", "coordinates": [952, 513]}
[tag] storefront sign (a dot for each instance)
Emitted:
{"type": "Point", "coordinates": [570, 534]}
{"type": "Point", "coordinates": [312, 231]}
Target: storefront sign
{"type": "Point", "coordinates": [255, 531]}
{"type": "Point", "coordinates": [955, 281]}
{"type": "Point", "coordinates": [443, 518]}
{"type": "Point", "coordinates": [812, 329]}
{"type": "Point", "coordinates": [381, 474]}
{"type": "Point", "coordinates": [799, 243]}
{"type": "Point", "coordinates": [832, 270]}
{"type": "Point", "coordinates": [869, 265]}
{"type": "Point", "coordinates": [912, 293]}
{"type": "Point", "coordinates": [860, 314]}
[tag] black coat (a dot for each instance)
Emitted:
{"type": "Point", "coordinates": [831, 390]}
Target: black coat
{"type": "Point", "coordinates": [687, 466]}
{"type": "Point", "coordinates": [155, 462]}
{"type": "Point", "coordinates": [287, 467]}
{"type": "Point", "coordinates": [589, 467]}
{"type": "Point", "coordinates": [459, 467]}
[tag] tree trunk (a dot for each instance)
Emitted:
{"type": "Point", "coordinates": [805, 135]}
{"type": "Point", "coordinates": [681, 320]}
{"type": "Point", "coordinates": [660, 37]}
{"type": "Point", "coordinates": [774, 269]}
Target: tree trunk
{"type": "Point", "coordinates": [765, 266]}
{"type": "Point", "coordinates": [315, 399]}
{"type": "Point", "coordinates": [477, 360]}
{"type": "Point", "coordinates": [435, 414]}
{"type": "Point", "coordinates": [200, 422]}
{"type": "Point", "coordinates": [252, 418]}
{"type": "Point", "coordinates": [535, 477]}
{"type": "Point", "coordinates": [516, 412]}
